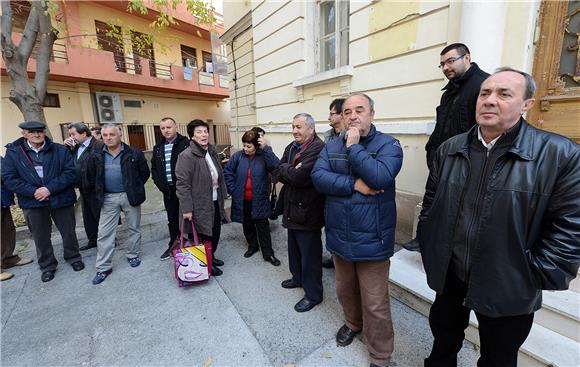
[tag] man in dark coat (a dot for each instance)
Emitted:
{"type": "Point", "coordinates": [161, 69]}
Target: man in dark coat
{"type": "Point", "coordinates": [357, 175]}
{"type": "Point", "coordinates": [500, 223]}
{"type": "Point", "coordinates": [42, 174]}
{"type": "Point", "coordinates": [120, 175]}
{"type": "Point", "coordinates": [303, 212]}
{"type": "Point", "coordinates": [163, 163]}
{"type": "Point", "coordinates": [82, 145]}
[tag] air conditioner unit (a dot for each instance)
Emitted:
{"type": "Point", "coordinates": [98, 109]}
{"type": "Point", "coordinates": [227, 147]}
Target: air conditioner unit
{"type": "Point", "coordinates": [109, 108]}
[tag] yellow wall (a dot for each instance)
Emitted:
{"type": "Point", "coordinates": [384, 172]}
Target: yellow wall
{"type": "Point", "coordinates": [166, 45]}
{"type": "Point", "coordinates": [234, 10]}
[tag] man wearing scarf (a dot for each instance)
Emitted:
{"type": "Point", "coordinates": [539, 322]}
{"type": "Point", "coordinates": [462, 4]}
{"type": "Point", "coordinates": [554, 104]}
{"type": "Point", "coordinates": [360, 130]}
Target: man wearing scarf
{"type": "Point", "coordinates": [303, 212]}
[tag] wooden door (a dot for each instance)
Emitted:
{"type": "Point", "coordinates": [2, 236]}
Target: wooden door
{"type": "Point", "coordinates": [557, 69]}
{"type": "Point", "coordinates": [136, 137]}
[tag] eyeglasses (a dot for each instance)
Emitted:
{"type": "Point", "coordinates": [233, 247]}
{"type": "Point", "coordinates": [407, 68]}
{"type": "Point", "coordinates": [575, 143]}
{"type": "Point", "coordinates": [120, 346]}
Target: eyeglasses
{"type": "Point", "coordinates": [450, 61]}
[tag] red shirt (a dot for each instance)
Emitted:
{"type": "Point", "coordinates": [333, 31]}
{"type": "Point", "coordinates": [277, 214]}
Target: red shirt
{"type": "Point", "coordinates": [248, 192]}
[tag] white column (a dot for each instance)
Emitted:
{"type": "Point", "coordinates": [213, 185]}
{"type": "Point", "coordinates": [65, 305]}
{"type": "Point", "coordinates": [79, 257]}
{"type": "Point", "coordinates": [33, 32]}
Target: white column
{"type": "Point", "coordinates": [482, 29]}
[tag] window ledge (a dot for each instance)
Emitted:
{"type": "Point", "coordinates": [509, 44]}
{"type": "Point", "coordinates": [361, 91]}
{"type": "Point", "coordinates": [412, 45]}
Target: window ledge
{"type": "Point", "coordinates": [325, 77]}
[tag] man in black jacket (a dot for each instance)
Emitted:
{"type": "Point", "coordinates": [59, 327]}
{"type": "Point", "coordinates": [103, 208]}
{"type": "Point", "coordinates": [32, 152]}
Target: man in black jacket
{"type": "Point", "coordinates": [303, 212]}
{"type": "Point", "coordinates": [120, 176]}
{"type": "Point", "coordinates": [82, 144]}
{"type": "Point", "coordinates": [163, 163]}
{"type": "Point", "coordinates": [500, 223]}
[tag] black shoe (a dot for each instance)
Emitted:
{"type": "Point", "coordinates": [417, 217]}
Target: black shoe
{"type": "Point", "coordinates": [272, 260]}
{"type": "Point", "coordinates": [304, 305]}
{"type": "Point", "coordinates": [345, 336]}
{"type": "Point", "coordinates": [216, 262]}
{"type": "Point", "coordinates": [165, 255]}
{"type": "Point", "coordinates": [78, 265]}
{"type": "Point", "coordinates": [88, 246]}
{"type": "Point", "coordinates": [101, 276]}
{"type": "Point", "coordinates": [134, 261]}
{"type": "Point", "coordinates": [290, 283]}
{"type": "Point", "coordinates": [412, 245]}
{"type": "Point", "coordinates": [215, 271]}
{"type": "Point", "coordinates": [328, 263]}
{"type": "Point", "coordinates": [250, 252]}
{"type": "Point", "coordinates": [47, 276]}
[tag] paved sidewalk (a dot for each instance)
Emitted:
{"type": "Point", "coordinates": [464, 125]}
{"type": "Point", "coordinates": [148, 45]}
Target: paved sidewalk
{"type": "Point", "coordinates": [139, 316]}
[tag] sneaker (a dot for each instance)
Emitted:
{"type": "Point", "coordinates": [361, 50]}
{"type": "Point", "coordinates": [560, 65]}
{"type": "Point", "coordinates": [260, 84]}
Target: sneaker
{"type": "Point", "coordinates": [101, 276]}
{"type": "Point", "coordinates": [134, 261]}
{"type": "Point", "coordinates": [5, 276]}
{"type": "Point", "coordinates": [166, 255]}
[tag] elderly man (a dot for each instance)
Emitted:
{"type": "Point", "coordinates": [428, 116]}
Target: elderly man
{"type": "Point", "coordinates": [357, 175]}
{"type": "Point", "coordinates": [120, 178]}
{"type": "Point", "coordinates": [163, 163]}
{"type": "Point", "coordinates": [303, 212]}
{"type": "Point", "coordinates": [499, 224]}
{"type": "Point", "coordinates": [83, 146]}
{"type": "Point", "coordinates": [42, 174]}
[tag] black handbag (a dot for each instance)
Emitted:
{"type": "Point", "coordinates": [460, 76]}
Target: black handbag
{"type": "Point", "coordinates": [276, 204]}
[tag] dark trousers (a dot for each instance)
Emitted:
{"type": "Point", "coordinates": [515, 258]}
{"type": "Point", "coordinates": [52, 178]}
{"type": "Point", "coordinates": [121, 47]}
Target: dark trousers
{"type": "Point", "coordinates": [171, 204]}
{"type": "Point", "coordinates": [216, 229]}
{"type": "Point", "coordinates": [305, 261]}
{"type": "Point", "coordinates": [91, 215]}
{"type": "Point", "coordinates": [257, 231]}
{"type": "Point", "coordinates": [500, 337]}
{"type": "Point", "coordinates": [8, 240]}
{"type": "Point", "coordinates": [40, 226]}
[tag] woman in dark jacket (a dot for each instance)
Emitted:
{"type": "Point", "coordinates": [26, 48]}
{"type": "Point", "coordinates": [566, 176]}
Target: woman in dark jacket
{"type": "Point", "coordinates": [247, 181]}
{"type": "Point", "coordinates": [200, 187]}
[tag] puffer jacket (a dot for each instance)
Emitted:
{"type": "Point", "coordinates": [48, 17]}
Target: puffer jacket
{"type": "Point", "coordinates": [194, 187]}
{"type": "Point", "coordinates": [236, 174]}
{"type": "Point", "coordinates": [527, 237]}
{"type": "Point", "coordinates": [135, 173]}
{"type": "Point", "coordinates": [303, 205]}
{"type": "Point", "coordinates": [19, 175]}
{"type": "Point", "coordinates": [359, 227]}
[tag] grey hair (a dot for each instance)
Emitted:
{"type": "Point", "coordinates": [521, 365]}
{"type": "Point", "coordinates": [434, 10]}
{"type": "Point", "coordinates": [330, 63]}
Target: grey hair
{"type": "Point", "coordinates": [309, 119]}
{"type": "Point", "coordinates": [530, 81]}
{"type": "Point", "coordinates": [117, 126]}
{"type": "Point", "coordinates": [369, 99]}
{"type": "Point", "coordinates": [80, 127]}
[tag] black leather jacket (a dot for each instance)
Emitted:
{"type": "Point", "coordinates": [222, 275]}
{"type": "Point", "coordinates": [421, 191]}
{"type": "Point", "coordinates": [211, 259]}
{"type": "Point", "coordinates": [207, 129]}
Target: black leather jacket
{"type": "Point", "coordinates": [528, 234]}
{"type": "Point", "coordinates": [158, 161]}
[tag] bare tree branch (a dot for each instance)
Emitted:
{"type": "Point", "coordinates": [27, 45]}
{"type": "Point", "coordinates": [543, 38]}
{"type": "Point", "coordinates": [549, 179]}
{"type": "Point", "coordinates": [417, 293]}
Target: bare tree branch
{"type": "Point", "coordinates": [30, 33]}
{"type": "Point", "coordinates": [6, 31]}
{"type": "Point", "coordinates": [48, 35]}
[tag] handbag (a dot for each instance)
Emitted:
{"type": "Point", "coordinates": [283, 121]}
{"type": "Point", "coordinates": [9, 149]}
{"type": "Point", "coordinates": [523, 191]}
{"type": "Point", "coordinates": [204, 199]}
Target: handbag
{"type": "Point", "coordinates": [276, 203]}
{"type": "Point", "coordinates": [192, 259]}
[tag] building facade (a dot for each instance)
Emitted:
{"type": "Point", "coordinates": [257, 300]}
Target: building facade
{"type": "Point", "coordinates": [98, 78]}
{"type": "Point", "coordinates": [287, 57]}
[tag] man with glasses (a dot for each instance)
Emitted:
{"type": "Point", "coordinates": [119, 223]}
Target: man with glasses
{"type": "Point", "coordinates": [456, 113]}
{"type": "Point", "coordinates": [335, 120]}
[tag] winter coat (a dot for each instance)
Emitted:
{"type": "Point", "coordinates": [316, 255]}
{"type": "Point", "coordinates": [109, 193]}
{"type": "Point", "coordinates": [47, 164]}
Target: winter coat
{"type": "Point", "coordinates": [303, 205]}
{"type": "Point", "coordinates": [359, 227]}
{"type": "Point", "coordinates": [527, 236]}
{"type": "Point", "coordinates": [86, 167]}
{"type": "Point", "coordinates": [194, 187]}
{"type": "Point", "coordinates": [158, 162]}
{"type": "Point", "coordinates": [59, 173]}
{"type": "Point", "coordinates": [7, 195]}
{"type": "Point", "coordinates": [236, 174]}
{"type": "Point", "coordinates": [456, 112]}
{"type": "Point", "coordinates": [135, 173]}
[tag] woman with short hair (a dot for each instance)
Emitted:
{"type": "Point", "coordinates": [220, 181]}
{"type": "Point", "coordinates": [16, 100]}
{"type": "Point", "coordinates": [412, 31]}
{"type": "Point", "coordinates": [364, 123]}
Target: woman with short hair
{"type": "Point", "coordinates": [247, 181]}
{"type": "Point", "coordinates": [200, 188]}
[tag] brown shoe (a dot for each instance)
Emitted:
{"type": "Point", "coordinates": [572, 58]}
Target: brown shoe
{"type": "Point", "coordinates": [5, 276]}
{"type": "Point", "coordinates": [23, 261]}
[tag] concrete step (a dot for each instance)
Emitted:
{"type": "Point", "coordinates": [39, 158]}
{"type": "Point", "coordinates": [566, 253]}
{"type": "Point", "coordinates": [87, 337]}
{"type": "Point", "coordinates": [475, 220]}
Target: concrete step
{"type": "Point", "coordinates": [544, 347]}
{"type": "Point", "coordinates": [560, 312]}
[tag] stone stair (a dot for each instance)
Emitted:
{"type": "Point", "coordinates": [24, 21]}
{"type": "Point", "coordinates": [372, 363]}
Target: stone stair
{"type": "Point", "coordinates": [555, 336]}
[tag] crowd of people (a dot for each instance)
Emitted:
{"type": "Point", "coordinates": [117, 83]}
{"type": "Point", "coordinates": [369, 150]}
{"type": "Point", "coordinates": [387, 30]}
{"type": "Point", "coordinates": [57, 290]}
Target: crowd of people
{"type": "Point", "coordinates": [500, 219]}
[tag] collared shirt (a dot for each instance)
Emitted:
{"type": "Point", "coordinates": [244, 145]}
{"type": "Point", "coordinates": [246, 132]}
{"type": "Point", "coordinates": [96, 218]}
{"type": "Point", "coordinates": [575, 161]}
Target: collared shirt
{"type": "Point", "coordinates": [488, 146]}
{"type": "Point", "coordinates": [168, 149]}
{"type": "Point", "coordinates": [37, 158]}
{"type": "Point", "coordinates": [84, 145]}
{"type": "Point", "coordinates": [113, 172]}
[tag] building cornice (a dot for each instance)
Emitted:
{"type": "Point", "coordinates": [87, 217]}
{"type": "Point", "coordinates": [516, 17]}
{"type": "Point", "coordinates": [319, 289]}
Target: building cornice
{"type": "Point", "coordinates": [244, 23]}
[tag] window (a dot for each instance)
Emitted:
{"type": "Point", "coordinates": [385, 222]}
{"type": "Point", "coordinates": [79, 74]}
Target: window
{"type": "Point", "coordinates": [132, 103]}
{"type": "Point", "coordinates": [51, 100]}
{"type": "Point", "coordinates": [110, 38]}
{"type": "Point", "coordinates": [207, 62]}
{"type": "Point", "coordinates": [332, 40]}
{"type": "Point", "coordinates": [142, 45]}
{"type": "Point", "coordinates": [188, 56]}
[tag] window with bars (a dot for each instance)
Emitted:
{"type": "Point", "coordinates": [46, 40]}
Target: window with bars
{"type": "Point", "coordinates": [332, 38]}
{"type": "Point", "coordinates": [188, 56]}
{"type": "Point", "coordinates": [110, 38]}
